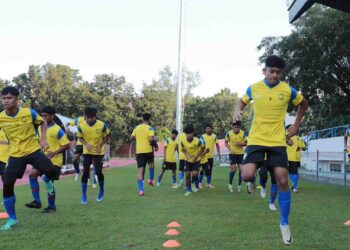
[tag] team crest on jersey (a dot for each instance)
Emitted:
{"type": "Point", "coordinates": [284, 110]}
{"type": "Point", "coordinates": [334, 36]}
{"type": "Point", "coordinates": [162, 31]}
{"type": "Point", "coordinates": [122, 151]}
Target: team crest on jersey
{"type": "Point", "coordinates": [281, 96]}
{"type": "Point", "coordinates": [24, 119]}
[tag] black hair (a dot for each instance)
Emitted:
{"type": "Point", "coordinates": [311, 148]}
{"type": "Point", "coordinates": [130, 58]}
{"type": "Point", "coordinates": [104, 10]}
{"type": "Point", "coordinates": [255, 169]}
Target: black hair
{"type": "Point", "coordinates": [89, 111]}
{"type": "Point", "coordinates": [189, 129]}
{"type": "Point", "coordinates": [10, 90]}
{"type": "Point", "coordinates": [174, 132]}
{"type": "Point", "coordinates": [146, 117]}
{"type": "Point", "coordinates": [48, 110]}
{"type": "Point", "coordinates": [236, 123]}
{"type": "Point", "coordinates": [208, 125]}
{"type": "Point", "coordinates": [275, 62]}
{"type": "Point", "coordinates": [52, 111]}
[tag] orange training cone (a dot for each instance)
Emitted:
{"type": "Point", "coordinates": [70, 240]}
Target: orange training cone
{"type": "Point", "coordinates": [171, 244]}
{"type": "Point", "coordinates": [173, 224]}
{"type": "Point", "coordinates": [4, 215]}
{"type": "Point", "coordinates": [172, 232]}
{"type": "Point", "coordinates": [347, 223]}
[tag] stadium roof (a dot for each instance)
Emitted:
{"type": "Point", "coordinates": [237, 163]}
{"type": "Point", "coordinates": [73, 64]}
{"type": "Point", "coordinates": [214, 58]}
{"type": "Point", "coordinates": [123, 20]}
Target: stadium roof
{"type": "Point", "coordinates": [298, 7]}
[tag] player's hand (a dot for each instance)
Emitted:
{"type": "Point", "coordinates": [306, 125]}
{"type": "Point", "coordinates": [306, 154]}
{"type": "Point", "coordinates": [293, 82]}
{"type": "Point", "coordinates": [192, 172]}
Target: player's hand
{"type": "Point", "coordinates": [237, 115]}
{"type": "Point", "coordinates": [292, 131]}
{"type": "Point", "coordinates": [98, 149]}
{"type": "Point", "coordinates": [3, 143]}
{"type": "Point", "coordinates": [44, 145]}
{"type": "Point", "coordinates": [51, 154]}
{"type": "Point", "coordinates": [88, 147]}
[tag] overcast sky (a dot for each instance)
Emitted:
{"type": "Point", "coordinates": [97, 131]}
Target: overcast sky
{"type": "Point", "coordinates": [137, 38]}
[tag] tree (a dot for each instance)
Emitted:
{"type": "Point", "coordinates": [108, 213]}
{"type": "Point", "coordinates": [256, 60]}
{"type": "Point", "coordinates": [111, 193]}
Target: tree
{"type": "Point", "coordinates": [317, 53]}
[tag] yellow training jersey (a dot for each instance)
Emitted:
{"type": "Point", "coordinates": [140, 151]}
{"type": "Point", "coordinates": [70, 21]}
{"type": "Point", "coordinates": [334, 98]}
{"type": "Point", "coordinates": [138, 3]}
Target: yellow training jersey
{"type": "Point", "coordinates": [204, 158]}
{"type": "Point", "coordinates": [270, 104]}
{"type": "Point", "coordinates": [210, 141]}
{"type": "Point", "coordinates": [301, 145]}
{"type": "Point", "coordinates": [171, 146]}
{"type": "Point", "coordinates": [76, 122]}
{"type": "Point", "coordinates": [93, 135]}
{"type": "Point", "coordinates": [292, 150]}
{"type": "Point", "coordinates": [4, 147]}
{"type": "Point", "coordinates": [192, 148]}
{"type": "Point", "coordinates": [180, 138]}
{"type": "Point", "coordinates": [232, 138]}
{"type": "Point", "coordinates": [142, 133]}
{"type": "Point", "coordinates": [20, 131]}
{"type": "Point", "coordinates": [56, 138]}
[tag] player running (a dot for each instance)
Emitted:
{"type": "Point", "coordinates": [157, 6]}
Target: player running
{"type": "Point", "coordinates": [235, 140]}
{"type": "Point", "coordinates": [267, 135]}
{"type": "Point", "coordinates": [58, 143]}
{"type": "Point", "coordinates": [93, 134]}
{"type": "Point", "coordinates": [210, 140]}
{"type": "Point", "coordinates": [19, 126]}
{"type": "Point", "coordinates": [145, 141]}
{"type": "Point", "coordinates": [170, 148]}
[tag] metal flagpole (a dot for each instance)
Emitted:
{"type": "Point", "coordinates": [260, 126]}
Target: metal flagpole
{"type": "Point", "coordinates": [179, 72]}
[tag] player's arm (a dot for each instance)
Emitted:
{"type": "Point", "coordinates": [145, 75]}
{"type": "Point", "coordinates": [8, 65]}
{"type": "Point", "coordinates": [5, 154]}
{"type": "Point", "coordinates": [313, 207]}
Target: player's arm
{"type": "Point", "coordinates": [64, 144]}
{"type": "Point", "coordinates": [346, 142]}
{"type": "Point", "coordinates": [106, 136]}
{"type": "Point", "coordinates": [195, 158]}
{"type": "Point", "coordinates": [242, 103]}
{"type": "Point", "coordinates": [218, 150]}
{"type": "Point", "coordinates": [4, 143]}
{"type": "Point", "coordinates": [302, 104]}
{"type": "Point", "coordinates": [38, 120]}
{"type": "Point", "coordinates": [83, 141]}
{"type": "Point", "coordinates": [290, 141]}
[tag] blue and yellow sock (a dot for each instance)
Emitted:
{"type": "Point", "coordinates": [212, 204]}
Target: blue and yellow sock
{"type": "Point", "coordinates": [232, 174]}
{"type": "Point", "coordinates": [239, 178]}
{"type": "Point", "coordinates": [174, 179]}
{"type": "Point", "coordinates": [273, 193]}
{"type": "Point", "coordinates": [159, 178]}
{"type": "Point", "coordinates": [181, 176]}
{"type": "Point", "coordinates": [201, 178]}
{"type": "Point", "coordinates": [284, 199]}
{"type": "Point", "coordinates": [189, 188]}
{"type": "Point", "coordinates": [34, 185]}
{"type": "Point", "coordinates": [151, 173]}
{"type": "Point", "coordinates": [9, 203]}
{"type": "Point", "coordinates": [208, 179]}
{"type": "Point", "coordinates": [140, 184]}
{"type": "Point", "coordinates": [296, 181]}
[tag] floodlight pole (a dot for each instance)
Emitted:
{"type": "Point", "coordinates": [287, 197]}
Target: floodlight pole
{"type": "Point", "coordinates": [179, 72]}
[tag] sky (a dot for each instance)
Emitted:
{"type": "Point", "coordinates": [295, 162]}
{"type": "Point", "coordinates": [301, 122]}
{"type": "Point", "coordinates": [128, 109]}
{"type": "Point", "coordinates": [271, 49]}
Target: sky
{"type": "Point", "coordinates": [137, 38]}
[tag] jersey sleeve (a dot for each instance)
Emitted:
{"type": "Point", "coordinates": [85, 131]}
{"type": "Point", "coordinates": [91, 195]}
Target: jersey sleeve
{"type": "Point", "coordinates": [201, 143]}
{"type": "Point", "coordinates": [227, 136]}
{"type": "Point", "coordinates": [134, 132]}
{"type": "Point", "coordinates": [245, 135]}
{"type": "Point", "coordinates": [80, 132]}
{"type": "Point", "coordinates": [62, 137]}
{"type": "Point", "coordinates": [105, 130]}
{"type": "Point", "coordinates": [166, 142]}
{"type": "Point", "coordinates": [247, 97]}
{"type": "Point", "coordinates": [296, 96]}
{"type": "Point", "coordinates": [37, 119]}
{"type": "Point", "coordinates": [151, 131]}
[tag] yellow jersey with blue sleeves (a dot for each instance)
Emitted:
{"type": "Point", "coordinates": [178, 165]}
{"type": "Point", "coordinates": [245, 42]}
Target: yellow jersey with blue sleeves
{"type": "Point", "coordinates": [4, 147]}
{"type": "Point", "coordinates": [170, 151]}
{"type": "Point", "coordinates": [20, 131]}
{"type": "Point", "coordinates": [192, 148]}
{"type": "Point", "coordinates": [301, 145]}
{"type": "Point", "coordinates": [232, 138]}
{"type": "Point", "coordinates": [181, 137]}
{"type": "Point", "coordinates": [56, 138]}
{"type": "Point", "coordinates": [210, 141]}
{"type": "Point", "coordinates": [204, 158]}
{"type": "Point", "coordinates": [270, 103]}
{"type": "Point", "coordinates": [142, 133]}
{"type": "Point", "coordinates": [76, 122]}
{"type": "Point", "coordinates": [93, 135]}
{"type": "Point", "coordinates": [292, 151]}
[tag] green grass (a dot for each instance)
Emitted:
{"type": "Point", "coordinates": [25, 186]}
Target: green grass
{"type": "Point", "coordinates": [211, 219]}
